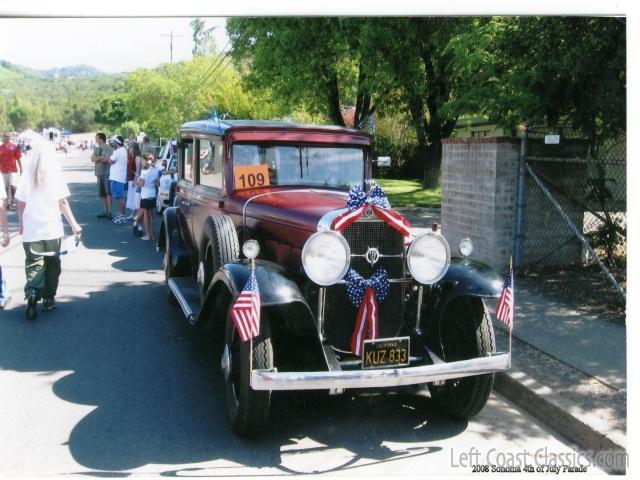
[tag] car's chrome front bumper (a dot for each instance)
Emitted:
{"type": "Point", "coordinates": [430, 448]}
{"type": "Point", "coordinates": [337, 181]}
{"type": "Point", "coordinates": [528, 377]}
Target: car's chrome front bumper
{"type": "Point", "coordinates": [389, 377]}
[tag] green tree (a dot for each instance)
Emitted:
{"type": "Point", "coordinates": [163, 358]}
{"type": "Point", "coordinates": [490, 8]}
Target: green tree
{"type": "Point", "coordinates": [375, 64]}
{"type": "Point", "coordinates": [312, 63]}
{"type": "Point", "coordinates": [547, 70]}
{"type": "Point", "coordinates": [112, 110]}
{"type": "Point", "coordinates": [162, 99]}
{"type": "Point", "coordinates": [203, 42]}
{"type": "Point", "coordinates": [417, 70]}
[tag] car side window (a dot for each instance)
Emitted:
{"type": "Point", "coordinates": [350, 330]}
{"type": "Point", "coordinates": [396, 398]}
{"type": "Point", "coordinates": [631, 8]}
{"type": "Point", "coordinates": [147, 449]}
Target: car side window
{"type": "Point", "coordinates": [186, 157]}
{"type": "Point", "coordinates": [210, 162]}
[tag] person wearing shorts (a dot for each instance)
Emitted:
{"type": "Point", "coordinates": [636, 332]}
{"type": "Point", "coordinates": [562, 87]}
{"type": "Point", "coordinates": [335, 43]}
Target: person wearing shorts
{"type": "Point", "coordinates": [100, 157]}
{"type": "Point", "coordinates": [10, 166]}
{"type": "Point", "coordinates": [118, 178]}
{"type": "Point", "coordinates": [147, 183]}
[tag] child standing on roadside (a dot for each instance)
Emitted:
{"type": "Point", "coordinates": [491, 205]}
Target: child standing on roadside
{"type": "Point", "coordinates": [147, 182]}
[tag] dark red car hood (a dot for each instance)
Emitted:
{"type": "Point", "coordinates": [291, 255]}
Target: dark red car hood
{"type": "Point", "coordinates": [298, 208]}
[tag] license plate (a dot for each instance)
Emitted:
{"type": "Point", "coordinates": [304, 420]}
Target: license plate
{"type": "Point", "coordinates": [385, 352]}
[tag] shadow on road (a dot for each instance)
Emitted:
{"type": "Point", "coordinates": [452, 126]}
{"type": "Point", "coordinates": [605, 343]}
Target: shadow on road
{"type": "Point", "coordinates": [158, 393]}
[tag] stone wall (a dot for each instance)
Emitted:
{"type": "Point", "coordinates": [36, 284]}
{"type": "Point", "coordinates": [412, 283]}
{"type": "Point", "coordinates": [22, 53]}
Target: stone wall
{"type": "Point", "coordinates": [479, 186]}
{"type": "Point", "coordinates": [479, 194]}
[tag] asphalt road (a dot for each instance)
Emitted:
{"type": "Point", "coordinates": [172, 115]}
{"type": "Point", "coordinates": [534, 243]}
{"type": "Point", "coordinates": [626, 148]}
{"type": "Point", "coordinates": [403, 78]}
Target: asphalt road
{"type": "Point", "coordinates": [113, 383]}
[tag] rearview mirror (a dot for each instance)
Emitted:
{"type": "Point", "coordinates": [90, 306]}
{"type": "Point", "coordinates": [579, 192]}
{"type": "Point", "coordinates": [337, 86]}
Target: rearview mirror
{"type": "Point", "coordinates": [383, 161]}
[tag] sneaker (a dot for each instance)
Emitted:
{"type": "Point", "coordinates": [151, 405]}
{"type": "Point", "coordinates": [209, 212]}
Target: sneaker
{"type": "Point", "coordinates": [32, 301]}
{"type": "Point", "coordinates": [130, 217]}
{"type": "Point", "coordinates": [103, 215]}
{"type": "Point", "coordinates": [109, 216]}
{"type": "Point", "coordinates": [48, 304]}
{"type": "Point", "coordinates": [119, 219]}
{"type": "Point", "coordinates": [4, 301]}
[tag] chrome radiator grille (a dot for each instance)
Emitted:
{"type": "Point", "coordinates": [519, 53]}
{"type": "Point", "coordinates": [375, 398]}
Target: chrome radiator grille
{"type": "Point", "coordinates": [366, 234]}
{"type": "Point", "coordinates": [340, 314]}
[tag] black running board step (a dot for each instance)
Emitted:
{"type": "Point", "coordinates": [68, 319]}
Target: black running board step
{"type": "Point", "coordinates": [187, 293]}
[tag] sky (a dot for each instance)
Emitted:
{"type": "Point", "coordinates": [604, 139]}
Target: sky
{"type": "Point", "coordinates": [123, 44]}
{"type": "Point", "coordinates": [109, 44]}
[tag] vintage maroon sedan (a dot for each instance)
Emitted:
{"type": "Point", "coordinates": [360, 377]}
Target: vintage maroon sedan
{"type": "Point", "coordinates": [350, 297]}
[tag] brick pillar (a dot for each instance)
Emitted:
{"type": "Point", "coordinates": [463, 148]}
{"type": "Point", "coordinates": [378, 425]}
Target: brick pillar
{"type": "Point", "coordinates": [479, 187]}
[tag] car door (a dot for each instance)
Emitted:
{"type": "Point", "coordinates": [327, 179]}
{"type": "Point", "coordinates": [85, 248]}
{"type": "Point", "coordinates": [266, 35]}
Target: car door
{"type": "Point", "coordinates": [208, 196]}
{"type": "Point", "coordinates": [185, 189]}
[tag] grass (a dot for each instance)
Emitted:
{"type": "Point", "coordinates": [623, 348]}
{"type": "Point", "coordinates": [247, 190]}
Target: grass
{"type": "Point", "coordinates": [409, 193]}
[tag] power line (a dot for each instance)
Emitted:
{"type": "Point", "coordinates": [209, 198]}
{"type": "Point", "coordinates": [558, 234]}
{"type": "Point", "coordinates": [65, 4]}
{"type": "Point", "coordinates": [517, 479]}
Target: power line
{"type": "Point", "coordinates": [216, 67]}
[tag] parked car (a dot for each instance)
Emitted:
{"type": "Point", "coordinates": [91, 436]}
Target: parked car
{"type": "Point", "coordinates": [167, 184]}
{"type": "Point", "coordinates": [165, 152]}
{"type": "Point", "coordinates": [350, 297]}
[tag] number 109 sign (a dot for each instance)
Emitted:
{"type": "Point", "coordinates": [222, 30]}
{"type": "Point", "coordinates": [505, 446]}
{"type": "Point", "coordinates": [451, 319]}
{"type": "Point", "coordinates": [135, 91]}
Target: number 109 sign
{"type": "Point", "coordinates": [251, 176]}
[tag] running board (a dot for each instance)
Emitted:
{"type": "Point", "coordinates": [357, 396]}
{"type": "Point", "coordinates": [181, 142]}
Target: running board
{"type": "Point", "coordinates": [187, 294]}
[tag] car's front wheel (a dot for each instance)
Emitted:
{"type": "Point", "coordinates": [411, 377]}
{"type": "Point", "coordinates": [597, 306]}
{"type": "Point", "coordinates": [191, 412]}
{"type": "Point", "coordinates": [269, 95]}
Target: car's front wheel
{"type": "Point", "coordinates": [248, 409]}
{"type": "Point", "coordinates": [465, 332]}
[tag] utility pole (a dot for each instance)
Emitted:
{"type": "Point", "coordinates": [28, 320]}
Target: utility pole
{"type": "Point", "coordinates": [171, 44]}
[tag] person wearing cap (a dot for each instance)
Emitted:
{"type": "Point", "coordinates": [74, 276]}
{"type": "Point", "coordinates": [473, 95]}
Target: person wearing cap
{"type": "Point", "coordinates": [118, 177]}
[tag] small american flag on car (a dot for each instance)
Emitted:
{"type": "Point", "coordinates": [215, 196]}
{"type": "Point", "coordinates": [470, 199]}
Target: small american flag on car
{"type": "Point", "coordinates": [246, 311]}
{"type": "Point", "coordinates": [504, 308]}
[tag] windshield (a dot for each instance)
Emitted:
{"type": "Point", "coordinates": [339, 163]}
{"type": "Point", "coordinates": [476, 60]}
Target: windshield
{"type": "Point", "coordinates": [336, 167]}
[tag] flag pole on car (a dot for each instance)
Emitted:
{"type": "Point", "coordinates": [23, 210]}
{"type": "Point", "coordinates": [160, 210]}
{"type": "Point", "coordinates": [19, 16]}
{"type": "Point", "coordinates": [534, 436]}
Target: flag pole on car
{"type": "Point", "coordinates": [506, 302]}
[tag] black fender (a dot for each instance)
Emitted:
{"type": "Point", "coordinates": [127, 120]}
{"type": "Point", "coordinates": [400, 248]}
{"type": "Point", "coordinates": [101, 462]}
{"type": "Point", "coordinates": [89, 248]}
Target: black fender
{"type": "Point", "coordinates": [278, 291]}
{"type": "Point", "coordinates": [464, 278]}
{"type": "Point", "coordinates": [469, 277]}
{"type": "Point", "coordinates": [173, 241]}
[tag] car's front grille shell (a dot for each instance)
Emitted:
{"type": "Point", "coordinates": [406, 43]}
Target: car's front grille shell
{"type": "Point", "coordinates": [340, 314]}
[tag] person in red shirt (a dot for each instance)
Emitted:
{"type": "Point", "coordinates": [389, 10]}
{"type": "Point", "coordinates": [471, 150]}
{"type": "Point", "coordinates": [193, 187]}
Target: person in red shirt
{"type": "Point", "coordinates": [10, 166]}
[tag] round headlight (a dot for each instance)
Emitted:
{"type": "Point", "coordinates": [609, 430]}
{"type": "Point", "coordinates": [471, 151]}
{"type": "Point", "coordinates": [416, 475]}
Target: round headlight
{"type": "Point", "coordinates": [251, 249]}
{"type": "Point", "coordinates": [428, 258]}
{"type": "Point", "coordinates": [325, 257]}
{"type": "Point", "coordinates": [466, 247]}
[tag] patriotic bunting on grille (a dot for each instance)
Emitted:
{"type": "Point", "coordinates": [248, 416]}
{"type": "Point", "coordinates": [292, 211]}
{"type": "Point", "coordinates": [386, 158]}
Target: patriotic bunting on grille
{"type": "Point", "coordinates": [359, 202]}
{"type": "Point", "coordinates": [246, 311]}
{"type": "Point", "coordinates": [365, 294]}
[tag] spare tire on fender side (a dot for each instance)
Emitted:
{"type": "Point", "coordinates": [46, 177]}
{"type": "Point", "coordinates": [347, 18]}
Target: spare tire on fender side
{"type": "Point", "coordinates": [219, 246]}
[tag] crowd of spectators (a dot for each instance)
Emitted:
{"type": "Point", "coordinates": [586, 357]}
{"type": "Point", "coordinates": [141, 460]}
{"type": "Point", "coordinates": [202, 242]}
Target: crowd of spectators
{"type": "Point", "coordinates": [127, 175]}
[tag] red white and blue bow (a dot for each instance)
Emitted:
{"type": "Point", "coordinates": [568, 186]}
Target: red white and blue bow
{"type": "Point", "coordinates": [365, 294]}
{"type": "Point", "coordinates": [359, 202]}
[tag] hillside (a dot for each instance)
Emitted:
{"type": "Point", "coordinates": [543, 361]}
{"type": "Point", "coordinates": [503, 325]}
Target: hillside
{"type": "Point", "coordinates": [64, 97]}
{"type": "Point", "coordinates": [9, 70]}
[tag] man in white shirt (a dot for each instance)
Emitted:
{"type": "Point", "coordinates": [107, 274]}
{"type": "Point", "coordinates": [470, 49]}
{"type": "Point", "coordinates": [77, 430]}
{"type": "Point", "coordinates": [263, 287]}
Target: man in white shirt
{"type": "Point", "coordinates": [118, 177]}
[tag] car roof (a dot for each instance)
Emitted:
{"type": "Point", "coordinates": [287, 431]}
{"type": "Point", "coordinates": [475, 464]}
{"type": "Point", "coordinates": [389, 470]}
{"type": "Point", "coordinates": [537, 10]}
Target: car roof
{"type": "Point", "coordinates": [219, 127]}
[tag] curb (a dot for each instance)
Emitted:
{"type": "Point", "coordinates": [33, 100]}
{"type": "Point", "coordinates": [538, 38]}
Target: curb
{"type": "Point", "coordinates": [554, 416]}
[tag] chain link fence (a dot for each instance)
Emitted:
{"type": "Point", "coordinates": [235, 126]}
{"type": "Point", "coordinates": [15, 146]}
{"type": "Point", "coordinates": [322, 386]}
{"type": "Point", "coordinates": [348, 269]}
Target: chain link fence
{"type": "Point", "coordinates": [587, 183]}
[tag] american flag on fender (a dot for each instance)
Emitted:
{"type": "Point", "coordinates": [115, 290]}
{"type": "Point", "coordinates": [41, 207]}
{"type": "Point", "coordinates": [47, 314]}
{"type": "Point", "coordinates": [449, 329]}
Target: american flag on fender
{"type": "Point", "coordinates": [246, 311]}
{"type": "Point", "coordinates": [504, 308]}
